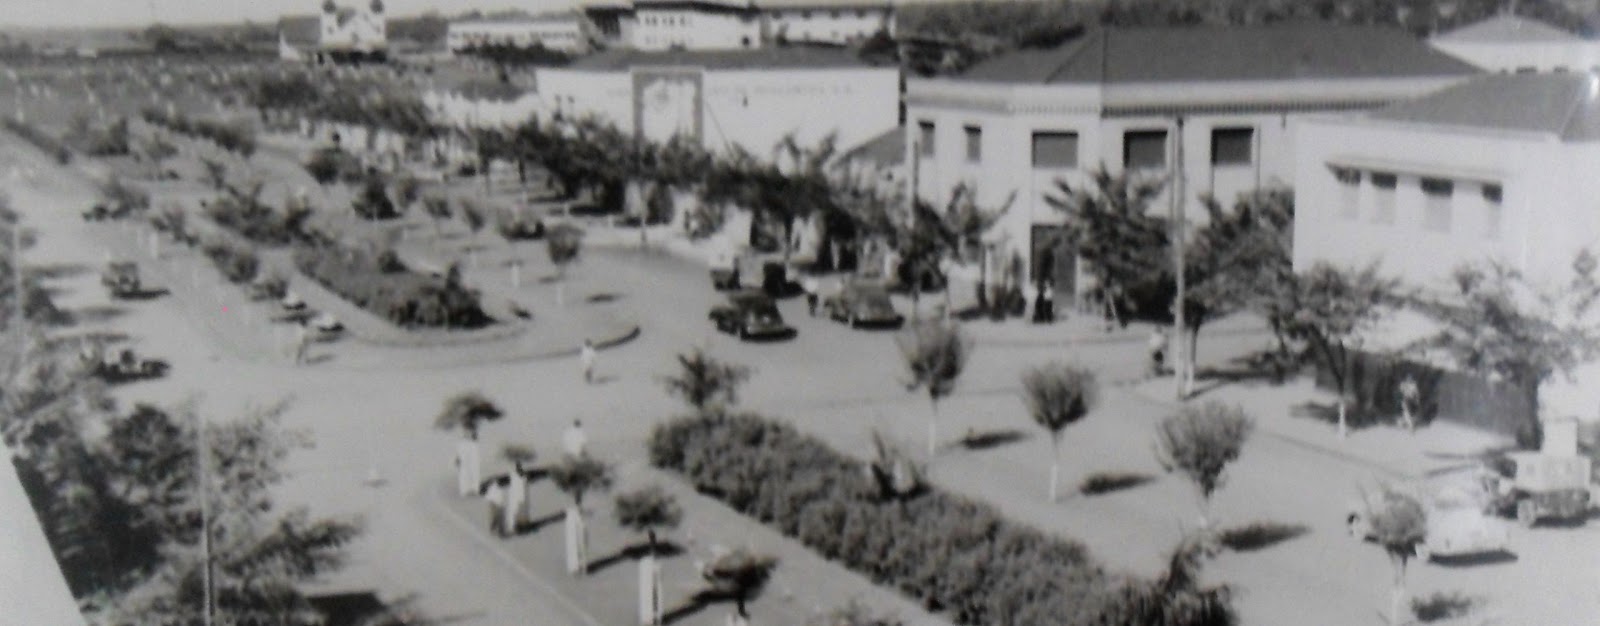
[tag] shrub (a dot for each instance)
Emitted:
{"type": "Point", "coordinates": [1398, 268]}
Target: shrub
{"type": "Point", "coordinates": [514, 226]}
{"type": "Point", "coordinates": [237, 263]}
{"type": "Point", "coordinates": [373, 203]}
{"type": "Point", "coordinates": [233, 138]}
{"type": "Point", "coordinates": [951, 553]}
{"type": "Point", "coordinates": [243, 213]}
{"type": "Point", "coordinates": [381, 284]}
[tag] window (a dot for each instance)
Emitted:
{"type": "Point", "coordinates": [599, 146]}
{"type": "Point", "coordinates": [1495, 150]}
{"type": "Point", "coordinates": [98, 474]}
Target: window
{"type": "Point", "coordinates": [805, 15]}
{"type": "Point", "coordinates": [1232, 146]}
{"type": "Point", "coordinates": [1492, 211]}
{"type": "Point", "coordinates": [974, 143]}
{"type": "Point", "coordinates": [1436, 208]}
{"type": "Point", "coordinates": [1349, 191]}
{"type": "Point", "coordinates": [1144, 149]}
{"type": "Point", "coordinates": [833, 14]}
{"type": "Point", "coordinates": [1055, 149]}
{"type": "Point", "coordinates": [1383, 197]}
{"type": "Point", "coordinates": [861, 13]}
{"type": "Point", "coordinates": [925, 137]}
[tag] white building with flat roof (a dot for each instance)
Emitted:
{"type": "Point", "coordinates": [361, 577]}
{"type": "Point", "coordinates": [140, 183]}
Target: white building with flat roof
{"type": "Point", "coordinates": [1216, 104]}
{"type": "Point", "coordinates": [737, 24]}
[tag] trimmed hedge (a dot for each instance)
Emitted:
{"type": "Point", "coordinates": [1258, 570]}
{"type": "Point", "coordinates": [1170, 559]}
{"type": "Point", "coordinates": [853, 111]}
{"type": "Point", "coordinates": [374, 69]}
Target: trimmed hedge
{"type": "Point", "coordinates": [951, 553]}
{"type": "Point", "coordinates": [32, 134]}
{"type": "Point", "coordinates": [238, 263]}
{"type": "Point", "coordinates": [380, 283]}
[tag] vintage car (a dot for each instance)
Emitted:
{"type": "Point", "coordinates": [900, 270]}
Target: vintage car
{"type": "Point", "coordinates": [325, 325]}
{"type": "Point", "coordinates": [292, 302]}
{"type": "Point", "coordinates": [126, 367]}
{"type": "Point", "coordinates": [1457, 525]}
{"type": "Point", "coordinates": [751, 315]}
{"type": "Point", "coordinates": [121, 278]}
{"type": "Point", "coordinates": [862, 304]}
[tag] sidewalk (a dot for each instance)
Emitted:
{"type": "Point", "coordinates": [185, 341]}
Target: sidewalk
{"type": "Point", "coordinates": [1384, 448]}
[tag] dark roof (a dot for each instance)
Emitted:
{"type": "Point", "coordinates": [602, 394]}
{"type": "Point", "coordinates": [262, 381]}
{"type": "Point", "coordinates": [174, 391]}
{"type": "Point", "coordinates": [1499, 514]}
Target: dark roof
{"type": "Point", "coordinates": [888, 148]}
{"type": "Point", "coordinates": [1508, 29]}
{"type": "Point", "coordinates": [1210, 53]}
{"type": "Point", "coordinates": [764, 58]}
{"type": "Point", "coordinates": [301, 30]}
{"type": "Point", "coordinates": [1561, 104]}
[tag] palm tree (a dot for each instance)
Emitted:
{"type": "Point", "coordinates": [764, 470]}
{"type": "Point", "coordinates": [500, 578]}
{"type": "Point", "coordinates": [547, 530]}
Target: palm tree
{"type": "Point", "coordinates": [1058, 395]}
{"type": "Point", "coordinates": [935, 353]}
{"type": "Point", "coordinates": [704, 381]}
{"type": "Point", "coordinates": [740, 574]}
{"type": "Point", "coordinates": [467, 411]}
{"type": "Point", "coordinates": [648, 510]}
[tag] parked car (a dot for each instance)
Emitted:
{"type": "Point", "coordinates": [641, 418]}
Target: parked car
{"type": "Point", "coordinates": [292, 302]}
{"type": "Point", "coordinates": [325, 325]}
{"type": "Point", "coordinates": [1458, 525]}
{"type": "Point", "coordinates": [121, 278]}
{"type": "Point", "coordinates": [126, 367]}
{"type": "Point", "coordinates": [750, 315]}
{"type": "Point", "coordinates": [862, 304]}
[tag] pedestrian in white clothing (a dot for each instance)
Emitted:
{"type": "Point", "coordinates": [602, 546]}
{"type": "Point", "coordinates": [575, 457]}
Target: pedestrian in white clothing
{"type": "Point", "coordinates": [586, 358]}
{"type": "Point", "coordinates": [516, 511]}
{"type": "Point", "coordinates": [496, 492]}
{"type": "Point", "coordinates": [468, 465]}
{"type": "Point", "coordinates": [574, 441]}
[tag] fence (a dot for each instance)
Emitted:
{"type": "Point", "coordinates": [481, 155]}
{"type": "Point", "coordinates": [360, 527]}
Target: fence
{"type": "Point", "coordinates": [1456, 397]}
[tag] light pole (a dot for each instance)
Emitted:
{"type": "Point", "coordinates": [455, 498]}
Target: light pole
{"type": "Point", "coordinates": [1180, 365]}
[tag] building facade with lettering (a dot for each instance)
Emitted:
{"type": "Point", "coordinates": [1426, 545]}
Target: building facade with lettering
{"type": "Point", "coordinates": [1210, 109]}
{"type": "Point", "coordinates": [748, 99]}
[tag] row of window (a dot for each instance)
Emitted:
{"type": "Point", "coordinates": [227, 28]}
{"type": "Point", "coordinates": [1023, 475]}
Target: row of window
{"type": "Point", "coordinates": [665, 20]}
{"type": "Point", "coordinates": [1438, 204]}
{"type": "Point", "coordinates": [835, 14]}
{"type": "Point", "coordinates": [1141, 149]}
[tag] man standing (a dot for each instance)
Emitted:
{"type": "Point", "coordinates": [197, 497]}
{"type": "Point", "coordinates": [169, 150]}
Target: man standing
{"type": "Point", "coordinates": [494, 492]}
{"type": "Point", "coordinates": [574, 442]}
{"type": "Point", "coordinates": [809, 284]}
{"type": "Point", "coordinates": [586, 356]}
{"type": "Point", "coordinates": [1158, 351]}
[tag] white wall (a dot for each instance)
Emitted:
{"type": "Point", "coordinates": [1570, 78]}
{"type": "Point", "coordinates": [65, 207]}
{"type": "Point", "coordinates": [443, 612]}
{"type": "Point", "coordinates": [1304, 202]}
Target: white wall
{"type": "Point", "coordinates": [1550, 204]}
{"type": "Point", "coordinates": [693, 29]}
{"type": "Point", "coordinates": [838, 25]}
{"type": "Point", "coordinates": [553, 35]}
{"type": "Point", "coordinates": [753, 109]}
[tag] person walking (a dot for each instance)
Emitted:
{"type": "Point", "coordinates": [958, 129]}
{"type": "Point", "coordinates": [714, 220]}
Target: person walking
{"type": "Point", "coordinates": [809, 284]}
{"type": "Point", "coordinates": [1157, 347]}
{"type": "Point", "coordinates": [1409, 397]}
{"type": "Point", "coordinates": [574, 442]}
{"type": "Point", "coordinates": [468, 465]}
{"type": "Point", "coordinates": [516, 509]}
{"type": "Point", "coordinates": [586, 356]}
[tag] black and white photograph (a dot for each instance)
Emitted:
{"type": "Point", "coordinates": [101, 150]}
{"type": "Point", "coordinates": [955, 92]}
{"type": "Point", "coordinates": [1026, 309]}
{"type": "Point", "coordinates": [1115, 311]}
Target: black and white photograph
{"type": "Point", "coordinates": [800, 312]}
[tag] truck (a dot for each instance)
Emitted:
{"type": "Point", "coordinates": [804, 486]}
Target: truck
{"type": "Point", "coordinates": [1536, 486]}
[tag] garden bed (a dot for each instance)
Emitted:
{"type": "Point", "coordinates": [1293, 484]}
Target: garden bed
{"type": "Point", "coordinates": [953, 554]}
{"type": "Point", "coordinates": [382, 285]}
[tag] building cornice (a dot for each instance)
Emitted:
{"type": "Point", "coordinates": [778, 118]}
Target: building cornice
{"type": "Point", "coordinates": [1168, 98]}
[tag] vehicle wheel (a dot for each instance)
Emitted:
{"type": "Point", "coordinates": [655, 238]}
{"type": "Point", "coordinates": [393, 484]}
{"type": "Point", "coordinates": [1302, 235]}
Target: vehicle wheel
{"type": "Point", "coordinates": [1526, 513]}
{"type": "Point", "coordinates": [1424, 553]}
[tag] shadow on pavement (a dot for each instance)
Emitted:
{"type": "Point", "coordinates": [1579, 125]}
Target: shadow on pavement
{"type": "Point", "coordinates": [1475, 560]}
{"type": "Point", "coordinates": [1111, 482]}
{"type": "Point", "coordinates": [665, 549]}
{"type": "Point", "coordinates": [97, 314]}
{"type": "Point", "coordinates": [991, 439]}
{"type": "Point", "coordinates": [1259, 535]}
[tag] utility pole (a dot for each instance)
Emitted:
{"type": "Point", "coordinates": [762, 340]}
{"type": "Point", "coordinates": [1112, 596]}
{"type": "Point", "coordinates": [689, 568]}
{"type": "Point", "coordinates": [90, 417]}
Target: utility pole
{"type": "Point", "coordinates": [203, 451]}
{"type": "Point", "coordinates": [1180, 365]}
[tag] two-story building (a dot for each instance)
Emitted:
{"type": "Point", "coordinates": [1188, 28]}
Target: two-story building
{"type": "Point", "coordinates": [1207, 108]}
{"type": "Point", "coordinates": [339, 34]}
{"type": "Point", "coordinates": [1511, 43]}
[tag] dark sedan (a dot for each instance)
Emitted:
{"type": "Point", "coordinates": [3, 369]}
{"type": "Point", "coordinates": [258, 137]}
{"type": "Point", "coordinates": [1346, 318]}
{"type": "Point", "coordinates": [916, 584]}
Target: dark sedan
{"type": "Point", "coordinates": [751, 315]}
{"type": "Point", "coordinates": [860, 304]}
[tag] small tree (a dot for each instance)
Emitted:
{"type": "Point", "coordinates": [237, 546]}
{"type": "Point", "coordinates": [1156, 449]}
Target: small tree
{"type": "Point", "coordinates": [467, 411]}
{"type": "Point", "coordinates": [648, 511]}
{"type": "Point", "coordinates": [1201, 442]}
{"type": "Point", "coordinates": [1506, 326]}
{"type": "Point", "coordinates": [705, 382]}
{"type": "Point", "coordinates": [1058, 395]}
{"type": "Point", "coordinates": [438, 209]}
{"type": "Point", "coordinates": [407, 191]}
{"type": "Point", "coordinates": [935, 353]}
{"type": "Point", "coordinates": [1334, 308]}
{"type": "Point", "coordinates": [563, 242]}
{"type": "Point", "coordinates": [579, 475]}
{"type": "Point", "coordinates": [1399, 524]}
{"type": "Point", "coordinates": [475, 219]}
{"type": "Point", "coordinates": [740, 574]}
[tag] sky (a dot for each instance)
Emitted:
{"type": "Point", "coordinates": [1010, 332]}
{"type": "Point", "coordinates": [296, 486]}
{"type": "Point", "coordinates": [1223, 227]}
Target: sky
{"type": "Point", "coordinates": [136, 13]}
